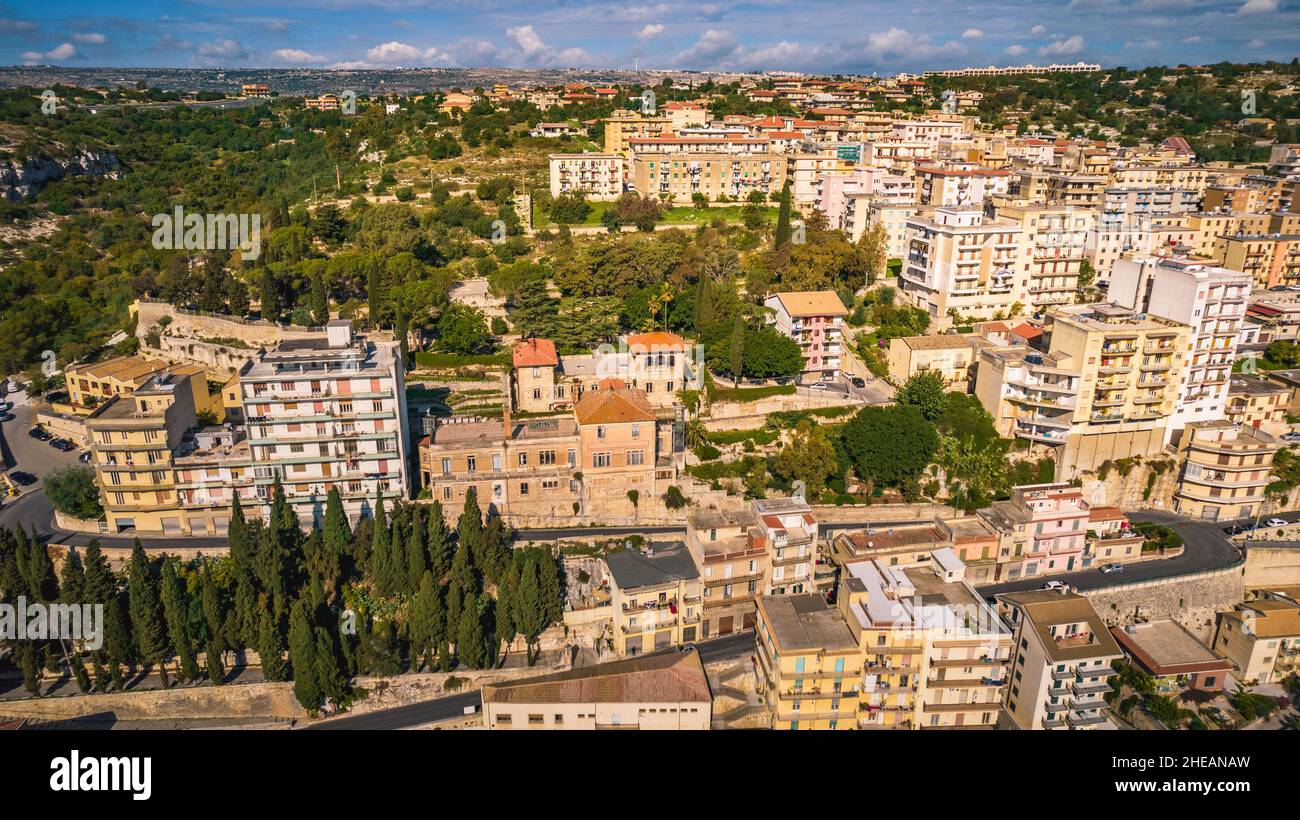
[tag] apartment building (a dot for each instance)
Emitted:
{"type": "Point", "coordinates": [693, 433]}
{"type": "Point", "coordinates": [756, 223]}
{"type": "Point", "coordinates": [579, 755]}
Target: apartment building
{"type": "Point", "coordinates": [719, 176]}
{"type": "Point", "coordinates": [1173, 656]}
{"type": "Point", "coordinates": [658, 692]}
{"type": "Point", "coordinates": [595, 176]}
{"type": "Point", "coordinates": [325, 102]}
{"type": "Point", "coordinates": [961, 260]}
{"type": "Point", "coordinates": [1254, 401]}
{"type": "Point", "coordinates": [864, 213]}
{"type": "Point", "coordinates": [949, 356]}
{"type": "Point", "coordinates": [815, 320]}
{"type": "Point", "coordinates": [934, 653]}
{"type": "Point", "coordinates": [1270, 260]}
{"type": "Point", "coordinates": [259, 90]}
{"type": "Point", "coordinates": [657, 363]}
{"type": "Point", "coordinates": [1132, 367]}
{"type": "Point", "coordinates": [90, 385]}
{"type": "Point", "coordinates": [1285, 159]}
{"type": "Point", "coordinates": [623, 451]}
{"type": "Point", "coordinates": [328, 411]}
{"type": "Point", "coordinates": [963, 185]}
{"type": "Point", "coordinates": [1261, 638]}
{"type": "Point", "coordinates": [656, 597]}
{"type": "Point", "coordinates": [1030, 394]}
{"type": "Point", "coordinates": [734, 566]}
{"type": "Point", "coordinates": [1063, 660]}
{"type": "Point", "coordinates": [1110, 539]}
{"type": "Point", "coordinates": [1053, 246]}
{"type": "Point", "coordinates": [1046, 525]}
{"type": "Point", "coordinates": [1223, 470]}
{"type": "Point", "coordinates": [1212, 301]}
{"type": "Point", "coordinates": [622, 126]}
{"type": "Point", "coordinates": [809, 664]}
{"type": "Point", "coordinates": [787, 529]}
{"type": "Point", "coordinates": [133, 439]}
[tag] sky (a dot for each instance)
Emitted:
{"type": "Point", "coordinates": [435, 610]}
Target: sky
{"type": "Point", "coordinates": [835, 36]}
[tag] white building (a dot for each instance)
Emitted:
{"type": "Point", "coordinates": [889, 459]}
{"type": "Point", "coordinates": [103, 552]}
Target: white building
{"type": "Point", "coordinates": [598, 176]}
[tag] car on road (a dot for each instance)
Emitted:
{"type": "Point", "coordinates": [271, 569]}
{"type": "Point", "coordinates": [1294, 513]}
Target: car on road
{"type": "Point", "coordinates": [1276, 522]}
{"type": "Point", "coordinates": [858, 381]}
{"type": "Point", "coordinates": [21, 478]}
{"type": "Point", "coordinates": [62, 444]}
{"type": "Point", "coordinates": [1057, 585]}
{"type": "Point", "coordinates": [39, 434]}
{"type": "Point", "coordinates": [6, 406]}
{"type": "Point", "coordinates": [817, 386]}
{"type": "Point", "coordinates": [6, 417]}
{"type": "Point", "coordinates": [1293, 436]}
{"type": "Point", "coordinates": [1109, 568]}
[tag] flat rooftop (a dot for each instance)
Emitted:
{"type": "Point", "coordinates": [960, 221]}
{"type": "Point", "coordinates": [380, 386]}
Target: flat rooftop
{"type": "Point", "coordinates": [1167, 648]}
{"type": "Point", "coordinates": [799, 623]}
{"type": "Point", "coordinates": [661, 677]}
{"type": "Point", "coordinates": [661, 562]}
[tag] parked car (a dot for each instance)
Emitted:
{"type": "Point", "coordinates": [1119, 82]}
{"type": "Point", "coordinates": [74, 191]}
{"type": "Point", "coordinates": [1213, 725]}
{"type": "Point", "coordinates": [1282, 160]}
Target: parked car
{"type": "Point", "coordinates": [1276, 522]}
{"type": "Point", "coordinates": [6, 406]}
{"type": "Point", "coordinates": [1290, 436]}
{"type": "Point", "coordinates": [858, 381]}
{"type": "Point", "coordinates": [62, 444]}
{"type": "Point", "coordinates": [1057, 585]}
{"type": "Point", "coordinates": [817, 386]}
{"type": "Point", "coordinates": [39, 434]}
{"type": "Point", "coordinates": [1109, 568]}
{"type": "Point", "coordinates": [6, 417]}
{"type": "Point", "coordinates": [21, 478]}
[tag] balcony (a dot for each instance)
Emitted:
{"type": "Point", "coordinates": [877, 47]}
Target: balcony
{"type": "Point", "coordinates": [1085, 689]}
{"type": "Point", "coordinates": [1078, 721]}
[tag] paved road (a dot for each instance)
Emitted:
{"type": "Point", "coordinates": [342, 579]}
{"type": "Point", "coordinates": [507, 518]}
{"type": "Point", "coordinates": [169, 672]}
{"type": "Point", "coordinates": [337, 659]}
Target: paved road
{"type": "Point", "coordinates": [418, 714]}
{"type": "Point", "coordinates": [1205, 547]}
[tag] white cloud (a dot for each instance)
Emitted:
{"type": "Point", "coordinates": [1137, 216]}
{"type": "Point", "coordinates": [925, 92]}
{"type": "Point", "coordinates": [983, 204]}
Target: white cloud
{"type": "Point", "coordinates": [63, 51]}
{"type": "Point", "coordinates": [1015, 49]}
{"type": "Point", "coordinates": [90, 37]}
{"type": "Point", "coordinates": [1258, 7]}
{"type": "Point", "coordinates": [1038, 31]}
{"type": "Point", "coordinates": [1255, 43]}
{"type": "Point", "coordinates": [972, 34]}
{"type": "Point", "coordinates": [1193, 40]}
{"type": "Point", "coordinates": [223, 52]}
{"type": "Point", "coordinates": [651, 30]}
{"type": "Point", "coordinates": [713, 47]}
{"type": "Point", "coordinates": [1062, 48]}
{"type": "Point", "coordinates": [297, 55]}
{"type": "Point", "coordinates": [393, 52]}
{"type": "Point", "coordinates": [530, 50]}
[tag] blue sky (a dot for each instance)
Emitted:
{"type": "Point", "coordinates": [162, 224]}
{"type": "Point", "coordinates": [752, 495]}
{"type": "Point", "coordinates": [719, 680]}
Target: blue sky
{"type": "Point", "coordinates": [809, 35]}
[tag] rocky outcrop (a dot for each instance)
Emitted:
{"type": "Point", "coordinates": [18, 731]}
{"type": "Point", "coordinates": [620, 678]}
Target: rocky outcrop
{"type": "Point", "coordinates": [20, 180]}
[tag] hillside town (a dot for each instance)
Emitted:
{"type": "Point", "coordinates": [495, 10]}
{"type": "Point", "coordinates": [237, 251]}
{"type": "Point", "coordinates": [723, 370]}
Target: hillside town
{"type": "Point", "coordinates": [950, 399]}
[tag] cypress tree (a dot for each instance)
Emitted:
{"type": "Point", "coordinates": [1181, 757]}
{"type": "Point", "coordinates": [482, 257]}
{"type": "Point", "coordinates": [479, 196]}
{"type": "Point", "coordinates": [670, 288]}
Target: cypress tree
{"type": "Point", "coordinates": [270, 649]}
{"type": "Point", "coordinates": [269, 297]}
{"type": "Point", "coordinates": [145, 609]}
{"type": "Point", "coordinates": [247, 615]}
{"type": "Point", "coordinates": [320, 301]}
{"type": "Point", "coordinates": [529, 604]}
{"type": "Point", "coordinates": [396, 569]}
{"type": "Point", "coordinates": [504, 619]}
{"type": "Point", "coordinates": [736, 353]}
{"type": "Point", "coordinates": [215, 668]}
{"type": "Point", "coordinates": [783, 227]}
{"type": "Point", "coordinates": [99, 582]}
{"type": "Point", "coordinates": [72, 581]}
{"type": "Point", "coordinates": [336, 533]}
{"type": "Point", "coordinates": [239, 539]}
{"type": "Point", "coordinates": [176, 609]}
{"type": "Point", "coordinates": [42, 585]}
{"type": "Point", "coordinates": [548, 573]}
{"type": "Point", "coordinates": [417, 562]}
{"type": "Point", "coordinates": [470, 527]}
{"type": "Point", "coordinates": [302, 658]}
{"type": "Point", "coordinates": [704, 316]}
{"type": "Point", "coordinates": [439, 541]}
{"type": "Point", "coordinates": [470, 646]}
{"type": "Point", "coordinates": [380, 554]}
{"type": "Point", "coordinates": [119, 643]}
{"type": "Point", "coordinates": [333, 685]}
{"type": "Point", "coordinates": [213, 609]}
{"type": "Point", "coordinates": [422, 622]}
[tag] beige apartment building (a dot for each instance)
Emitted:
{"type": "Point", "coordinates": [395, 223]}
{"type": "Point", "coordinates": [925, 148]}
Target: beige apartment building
{"type": "Point", "coordinates": [596, 176]}
{"type": "Point", "coordinates": [809, 665]}
{"type": "Point", "coordinates": [1262, 639]}
{"type": "Point", "coordinates": [1271, 260]}
{"type": "Point", "coordinates": [1030, 394]}
{"type": "Point", "coordinates": [656, 597]}
{"type": "Point", "coordinates": [90, 385]}
{"type": "Point", "coordinates": [863, 214]}
{"type": "Point", "coordinates": [1063, 660]}
{"type": "Point", "coordinates": [719, 176]}
{"type": "Point", "coordinates": [622, 126]}
{"type": "Point", "coordinates": [1224, 470]}
{"type": "Point", "coordinates": [133, 439]}
{"type": "Point", "coordinates": [948, 356]}
{"type": "Point", "coordinates": [1254, 401]}
{"type": "Point", "coordinates": [734, 566]}
{"type": "Point", "coordinates": [963, 261]}
{"type": "Point", "coordinates": [1053, 245]}
{"type": "Point", "coordinates": [934, 652]}
{"type": "Point", "coordinates": [659, 692]}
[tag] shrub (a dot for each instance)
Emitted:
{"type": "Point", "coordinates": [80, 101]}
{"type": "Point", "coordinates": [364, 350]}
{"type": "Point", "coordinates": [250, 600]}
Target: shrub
{"type": "Point", "coordinates": [673, 499]}
{"type": "Point", "coordinates": [707, 452]}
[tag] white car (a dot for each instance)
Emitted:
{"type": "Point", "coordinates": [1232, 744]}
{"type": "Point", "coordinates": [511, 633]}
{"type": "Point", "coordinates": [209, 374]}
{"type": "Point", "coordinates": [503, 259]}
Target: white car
{"type": "Point", "coordinates": [1109, 568]}
{"type": "Point", "coordinates": [817, 386]}
{"type": "Point", "coordinates": [1276, 522]}
{"type": "Point", "coordinates": [1057, 585]}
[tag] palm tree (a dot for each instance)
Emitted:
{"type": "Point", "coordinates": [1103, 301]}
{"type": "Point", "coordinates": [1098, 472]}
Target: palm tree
{"type": "Point", "coordinates": [696, 434]}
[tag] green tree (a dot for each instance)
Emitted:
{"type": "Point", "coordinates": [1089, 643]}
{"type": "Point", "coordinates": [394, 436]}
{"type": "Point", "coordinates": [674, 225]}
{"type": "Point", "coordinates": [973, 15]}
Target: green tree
{"type": "Point", "coordinates": [783, 227]}
{"type": "Point", "coordinates": [302, 658]}
{"type": "Point", "coordinates": [889, 445]}
{"type": "Point", "coordinates": [808, 457]}
{"type": "Point", "coordinates": [146, 611]}
{"type": "Point", "coordinates": [72, 491]}
{"type": "Point", "coordinates": [176, 607]}
{"type": "Point", "coordinates": [925, 391]}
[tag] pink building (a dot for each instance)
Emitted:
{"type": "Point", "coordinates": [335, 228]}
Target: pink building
{"type": "Point", "coordinates": [815, 320]}
{"type": "Point", "coordinates": [1043, 528]}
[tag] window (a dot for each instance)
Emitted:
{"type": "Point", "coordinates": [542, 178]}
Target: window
{"type": "Point", "coordinates": [496, 462]}
{"type": "Point", "coordinates": [636, 429]}
{"type": "Point", "coordinates": [600, 431]}
{"type": "Point", "coordinates": [546, 457]}
{"type": "Point", "coordinates": [635, 457]}
{"type": "Point", "coordinates": [523, 488]}
{"type": "Point", "coordinates": [600, 459]}
{"type": "Point", "coordinates": [471, 464]}
{"type": "Point", "coordinates": [523, 459]}
{"type": "Point", "coordinates": [446, 466]}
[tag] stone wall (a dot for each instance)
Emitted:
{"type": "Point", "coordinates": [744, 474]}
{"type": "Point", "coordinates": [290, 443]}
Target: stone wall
{"type": "Point", "coordinates": [249, 700]}
{"type": "Point", "coordinates": [1272, 565]}
{"type": "Point", "coordinates": [198, 325]}
{"type": "Point", "coordinates": [1191, 600]}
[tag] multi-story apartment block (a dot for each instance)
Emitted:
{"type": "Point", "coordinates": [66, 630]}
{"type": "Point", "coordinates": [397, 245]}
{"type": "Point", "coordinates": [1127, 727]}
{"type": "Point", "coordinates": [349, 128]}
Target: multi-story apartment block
{"type": "Point", "coordinates": [1131, 369]}
{"type": "Point", "coordinates": [595, 176]}
{"type": "Point", "coordinates": [1046, 525]}
{"type": "Point", "coordinates": [1254, 401]}
{"type": "Point", "coordinates": [862, 214]}
{"type": "Point", "coordinates": [734, 566]}
{"type": "Point", "coordinates": [656, 597]}
{"type": "Point", "coordinates": [1224, 470]}
{"type": "Point", "coordinates": [963, 261]}
{"type": "Point", "coordinates": [787, 529]}
{"type": "Point", "coordinates": [133, 439]}
{"type": "Point", "coordinates": [1285, 159]}
{"type": "Point", "coordinates": [668, 691]}
{"type": "Point", "coordinates": [255, 90]}
{"type": "Point", "coordinates": [1270, 260]}
{"type": "Point", "coordinates": [964, 185]}
{"type": "Point", "coordinates": [1210, 300]}
{"type": "Point", "coordinates": [1053, 245]}
{"type": "Point", "coordinates": [1262, 639]}
{"type": "Point", "coordinates": [814, 319]}
{"type": "Point", "coordinates": [325, 102]}
{"type": "Point", "coordinates": [934, 653]}
{"type": "Point", "coordinates": [622, 126]}
{"type": "Point", "coordinates": [719, 176]}
{"type": "Point", "coordinates": [328, 411]}
{"type": "Point", "coordinates": [1030, 394]}
{"type": "Point", "coordinates": [1063, 660]}
{"type": "Point", "coordinates": [809, 663]}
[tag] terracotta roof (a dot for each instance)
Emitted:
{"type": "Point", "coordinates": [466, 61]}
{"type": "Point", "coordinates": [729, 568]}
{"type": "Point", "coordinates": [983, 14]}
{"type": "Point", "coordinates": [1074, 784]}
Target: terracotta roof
{"type": "Point", "coordinates": [614, 406]}
{"type": "Point", "coordinates": [1105, 514]}
{"type": "Point", "coordinates": [657, 338]}
{"type": "Point", "coordinates": [667, 677]}
{"type": "Point", "coordinates": [1026, 331]}
{"type": "Point", "coordinates": [535, 353]}
{"type": "Point", "coordinates": [812, 303]}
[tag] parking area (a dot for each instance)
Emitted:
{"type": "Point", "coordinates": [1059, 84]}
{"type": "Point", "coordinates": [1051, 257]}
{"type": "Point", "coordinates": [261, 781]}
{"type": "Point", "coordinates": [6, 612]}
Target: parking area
{"type": "Point", "coordinates": [24, 454]}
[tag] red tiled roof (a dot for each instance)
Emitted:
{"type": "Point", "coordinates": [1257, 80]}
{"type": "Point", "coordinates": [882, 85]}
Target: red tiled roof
{"type": "Point", "coordinates": [535, 353]}
{"type": "Point", "coordinates": [613, 406]}
{"type": "Point", "coordinates": [1026, 331]}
